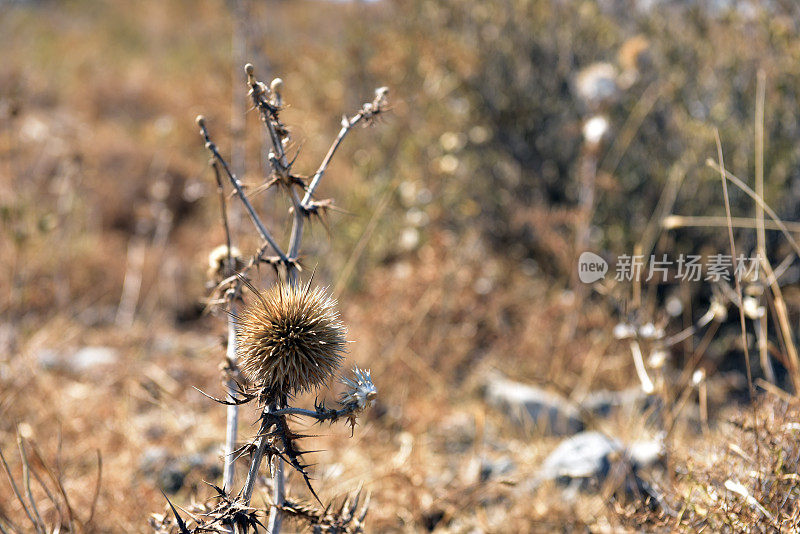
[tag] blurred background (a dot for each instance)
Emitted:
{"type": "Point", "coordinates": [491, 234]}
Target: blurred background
{"type": "Point", "coordinates": [521, 134]}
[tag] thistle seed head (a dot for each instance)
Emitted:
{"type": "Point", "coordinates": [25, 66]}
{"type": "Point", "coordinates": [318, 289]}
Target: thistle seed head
{"type": "Point", "coordinates": [290, 340]}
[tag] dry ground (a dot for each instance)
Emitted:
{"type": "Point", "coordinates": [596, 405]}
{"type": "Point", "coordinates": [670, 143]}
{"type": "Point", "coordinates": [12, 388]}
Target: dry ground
{"type": "Point", "coordinates": [102, 174]}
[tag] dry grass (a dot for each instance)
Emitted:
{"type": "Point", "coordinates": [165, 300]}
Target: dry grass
{"type": "Point", "coordinates": [99, 161]}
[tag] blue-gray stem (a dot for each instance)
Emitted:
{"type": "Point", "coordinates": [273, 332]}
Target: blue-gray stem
{"type": "Point", "coordinates": [233, 409]}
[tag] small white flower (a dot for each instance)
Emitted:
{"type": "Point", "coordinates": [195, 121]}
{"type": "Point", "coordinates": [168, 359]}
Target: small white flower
{"type": "Point", "coordinates": [698, 376]}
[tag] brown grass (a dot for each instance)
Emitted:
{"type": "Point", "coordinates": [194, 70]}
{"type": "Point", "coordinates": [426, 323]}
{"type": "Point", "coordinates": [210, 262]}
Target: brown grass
{"type": "Point", "coordinates": [99, 155]}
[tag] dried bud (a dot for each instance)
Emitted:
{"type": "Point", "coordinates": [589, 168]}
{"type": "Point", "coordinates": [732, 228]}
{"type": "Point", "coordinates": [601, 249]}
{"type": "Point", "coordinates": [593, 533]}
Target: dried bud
{"type": "Point", "coordinates": [290, 340]}
{"type": "Point", "coordinates": [751, 308]}
{"type": "Point", "coordinates": [595, 129]}
{"type": "Point", "coordinates": [624, 331]}
{"type": "Point", "coordinates": [718, 311]}
{"type": "Point", "coordinates": [201, 121]}
{"type": "Point", "coordinates": [698, 376]}
{"type": "Point", "coordinates": [657, 359]}
{"type": "Point", "coordinates": [217, 259]}
{"type": "Point", "coordinates": [276, 87]}
{"type": "Point", "coordinates": [250, 70]}
{"type": "Point", "coordinates": [650, 331]}
{"type": "Point", "coordinates": [361, 392]}
{"type": "Point", "coordinates": [380, 97]}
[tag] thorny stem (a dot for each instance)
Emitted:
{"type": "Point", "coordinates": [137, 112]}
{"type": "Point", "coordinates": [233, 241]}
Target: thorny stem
{"type": "Point", "coordinates": [262, 230]}
{"type": "Point", "coordinates": [296, 238]}
{"type": "Point", "coordinates": [260, 447]}
{"type": "Point", "coordinates": [280, 166]}
{"type": "Point", "coordinates": [318, 415]}
{"type": "Point", "coordinates": [301, 208]}
{"type": "Point", "coordinates": [258, 454]}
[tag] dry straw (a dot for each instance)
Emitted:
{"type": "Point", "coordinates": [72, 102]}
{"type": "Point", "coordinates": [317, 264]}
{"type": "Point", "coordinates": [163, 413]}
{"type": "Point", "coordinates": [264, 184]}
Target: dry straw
{"type": "Point", "coordinates": [290, 339]}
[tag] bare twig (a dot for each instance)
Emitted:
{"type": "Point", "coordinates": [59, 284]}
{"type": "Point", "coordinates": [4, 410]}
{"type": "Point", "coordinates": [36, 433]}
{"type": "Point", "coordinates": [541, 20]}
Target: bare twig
{"type": "Point", "coordinates": [673, 222]}
{"type": "Point", "coordinates": [759, 200]}
{"type": "Point", "coordinates": [759, 165]}
{"type": "Point", "coordinates": [780, 306]}
{"type": "Point", "coordinates": [262, 230]}
{"type": "Point", "coordinates": [761, 239]}
{"type": "Point", "coordinates": [16, 490]}
{"type": "Point", "coordinates": [232, 415]}
{"type": "Point", "coordinates": [733, 255]}
{"type": "Point", "coordinates": [26, 476]}
{"type": "Point", "coordinates": [347, 125]}
{"type": "Point", "coordinates": [740, 303]}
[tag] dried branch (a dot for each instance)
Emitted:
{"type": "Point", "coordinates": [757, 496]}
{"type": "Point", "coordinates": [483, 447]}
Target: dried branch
{"type": "Point", "coordinates": [37, 469]}
{"type": "Point", "coordinates": [305, 207]}
{"type": "Point", "coordinates": [262, 230]}
{"type": "Point", "coordinates": [16, 490]}
{"type": "Point", "coordinates": [368, 113]}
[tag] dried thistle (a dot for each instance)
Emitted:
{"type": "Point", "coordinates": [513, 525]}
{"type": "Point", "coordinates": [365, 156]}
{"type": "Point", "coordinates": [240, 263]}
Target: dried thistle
{"type": "Point", "coordinates": [342, 519]}
{"type": "Point", "coordinates": [361, 392]}
{"type": "Point", "coordinates": [217, 259]}
{"type": "Point", "coordinates": [290, 340]}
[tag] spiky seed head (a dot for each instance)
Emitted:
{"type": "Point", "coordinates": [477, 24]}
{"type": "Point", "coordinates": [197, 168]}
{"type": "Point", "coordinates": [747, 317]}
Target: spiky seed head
{"type": "Point", "coordinates": [290, 339]}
